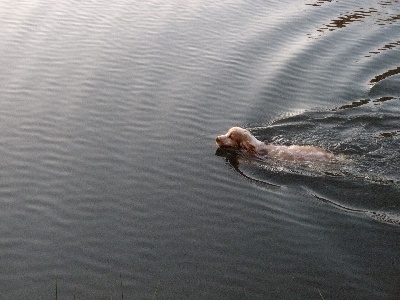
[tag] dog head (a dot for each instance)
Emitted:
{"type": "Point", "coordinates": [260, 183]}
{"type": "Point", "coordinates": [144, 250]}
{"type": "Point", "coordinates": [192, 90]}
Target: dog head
{"type": "Point", "coordinates": [239, 139]}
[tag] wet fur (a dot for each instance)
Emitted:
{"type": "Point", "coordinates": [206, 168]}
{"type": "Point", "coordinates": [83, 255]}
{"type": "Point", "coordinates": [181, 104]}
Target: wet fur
{"type": "Point", "coordinates": [241, 139]}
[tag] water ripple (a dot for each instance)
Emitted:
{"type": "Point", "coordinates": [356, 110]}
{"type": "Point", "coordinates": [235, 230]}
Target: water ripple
{"type": "Point", "coordinates": [108, 113]}
{"type": "Point", "coordinates": [385, 75]}
{"type": "Point", "coordinates": [365, 132]}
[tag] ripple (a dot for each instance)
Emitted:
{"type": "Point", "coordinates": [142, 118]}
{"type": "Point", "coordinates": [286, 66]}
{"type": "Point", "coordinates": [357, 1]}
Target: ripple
{"type": "Point", "coordinates": [388, 46]}
{"type": "Point", "coordinates": [364, 134]}
{"type": "Point", "coordinates": [348, 18]}
{"type": "Point", "coordinates": [380, 16]}
{"type": "Point", "coordinates": [108, 113]}
{"type": "Point", "coordinates": [384, 75]}
{"type": "Point", "coordinates": [320, 2]}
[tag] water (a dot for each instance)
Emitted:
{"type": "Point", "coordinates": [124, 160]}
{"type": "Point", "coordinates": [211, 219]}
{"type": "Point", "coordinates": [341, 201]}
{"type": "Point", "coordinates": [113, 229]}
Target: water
{"type": "Point", "coordinates": [108, 166]}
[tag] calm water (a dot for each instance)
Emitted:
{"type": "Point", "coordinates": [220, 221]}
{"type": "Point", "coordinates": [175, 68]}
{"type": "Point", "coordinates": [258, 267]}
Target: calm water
{"type": "Point", "coordinates": [109, 170]}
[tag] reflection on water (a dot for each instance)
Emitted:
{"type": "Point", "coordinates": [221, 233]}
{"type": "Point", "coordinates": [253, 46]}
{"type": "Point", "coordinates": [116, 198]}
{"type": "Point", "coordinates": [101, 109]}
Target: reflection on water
{"type": "Point", "coordinates": [108, 112]}
{"type": "Point", "coordinates": [386, 47]}
{"type": "Point", "coordinates": [391, 19]}
{"type": "Point", "coordinates": [381, 16]}
{"type": "Point", "coordinates": [346, 19]}
{"type": "Point", "coordinates": [319, 2]}
{"type": "Point", "coordinates": [385, 75]}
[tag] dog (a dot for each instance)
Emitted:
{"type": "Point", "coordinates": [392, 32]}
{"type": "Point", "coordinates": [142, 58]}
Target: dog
{"type": "Point", "coordinates": [238, 138]}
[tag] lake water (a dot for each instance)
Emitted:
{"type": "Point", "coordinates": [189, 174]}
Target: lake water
{"type": "Point", "coordinates": [111, 186]}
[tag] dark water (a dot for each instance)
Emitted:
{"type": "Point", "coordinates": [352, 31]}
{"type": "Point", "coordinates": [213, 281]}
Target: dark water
{"type": "Point", "coordinates": [109, 170]}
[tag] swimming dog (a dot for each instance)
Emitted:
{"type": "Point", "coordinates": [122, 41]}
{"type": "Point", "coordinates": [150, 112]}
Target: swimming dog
{"type": "Point", "coordinates": [238, 138]}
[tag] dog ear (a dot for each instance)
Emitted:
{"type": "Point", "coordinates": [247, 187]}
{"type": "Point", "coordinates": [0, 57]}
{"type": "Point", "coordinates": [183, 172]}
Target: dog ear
{"type": "Point", "coordinates": [248, 147]}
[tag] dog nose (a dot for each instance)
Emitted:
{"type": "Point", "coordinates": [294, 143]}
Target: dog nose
{"type": "Point", "coordinates": [218, 140]}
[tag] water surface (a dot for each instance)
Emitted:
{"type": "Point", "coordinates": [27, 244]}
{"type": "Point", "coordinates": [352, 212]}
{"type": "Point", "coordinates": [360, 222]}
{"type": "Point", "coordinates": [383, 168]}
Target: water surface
{"type": "Point", "coordinates": [109, 112]}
